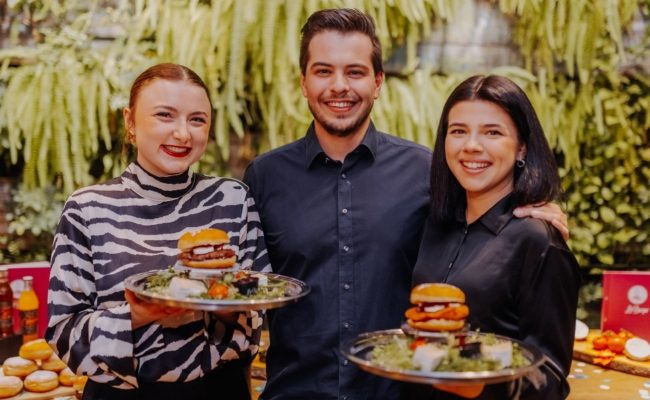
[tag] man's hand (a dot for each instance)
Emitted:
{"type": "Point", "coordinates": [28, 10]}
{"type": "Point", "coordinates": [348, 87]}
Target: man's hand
{"type": "Point", "coordinates": [550, 212]}
{"type": "Point", "coordinates": [143, 313]}
{"type": "Point", "coordinates": [466, 391]}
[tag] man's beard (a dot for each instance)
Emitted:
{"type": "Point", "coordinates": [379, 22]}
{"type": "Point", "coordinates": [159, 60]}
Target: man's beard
{"type": "Point", "coordinates": [337, 130]}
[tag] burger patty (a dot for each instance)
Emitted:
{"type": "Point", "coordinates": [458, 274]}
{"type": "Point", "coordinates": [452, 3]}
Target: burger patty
{"type": "Point", "coordinates": [453, 313]}
{"type": "Point", "coordinates": [217, 254]}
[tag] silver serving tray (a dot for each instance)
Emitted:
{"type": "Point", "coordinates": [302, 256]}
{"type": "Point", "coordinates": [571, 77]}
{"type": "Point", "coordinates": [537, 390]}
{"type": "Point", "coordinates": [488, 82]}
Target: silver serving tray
{"type": "Point", "coordinates": [295, 289]}
{"type": "Point", "coordinates": [359, 350]}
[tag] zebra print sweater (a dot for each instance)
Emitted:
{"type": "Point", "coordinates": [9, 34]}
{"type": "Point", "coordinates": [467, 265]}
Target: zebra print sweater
{"type": "Point", "coordinates": [128, 225]}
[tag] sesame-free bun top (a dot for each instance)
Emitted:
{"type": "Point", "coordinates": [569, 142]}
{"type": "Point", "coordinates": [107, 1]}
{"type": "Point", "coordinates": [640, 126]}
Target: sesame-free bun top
{"type": "Point", "coordinates": [204, 237]}
{"type": "Point", "coordinates": [436, 293]}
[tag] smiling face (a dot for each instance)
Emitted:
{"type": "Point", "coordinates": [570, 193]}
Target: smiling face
{"type": "Point", "coordinates": [481, 147]}
{"type": "Point", "coordinates": [340, 83]}
{"type": "Point", "coordinates": [171, 124]}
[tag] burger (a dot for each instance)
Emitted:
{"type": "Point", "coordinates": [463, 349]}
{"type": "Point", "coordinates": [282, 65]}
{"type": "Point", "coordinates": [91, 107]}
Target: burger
{"type": "Point", "coordinates": [206, 249]}
{"type": "Point", "coordinates": [439, 307]}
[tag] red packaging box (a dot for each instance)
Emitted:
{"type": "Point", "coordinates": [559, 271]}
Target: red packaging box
{"type": "Point", "coordinates": [41, 273]}
{"type": "Point", "coordinates": [626, 302]}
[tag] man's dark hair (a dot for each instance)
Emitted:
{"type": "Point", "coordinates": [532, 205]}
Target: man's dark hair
{"type": "Point", "coordinates": [344, 20]}
{"type": "Point", "coordinates": [538, 181]}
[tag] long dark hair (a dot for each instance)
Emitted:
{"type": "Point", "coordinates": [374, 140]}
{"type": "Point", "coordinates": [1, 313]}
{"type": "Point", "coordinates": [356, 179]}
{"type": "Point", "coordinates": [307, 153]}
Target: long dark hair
{"type": "Point", "coordinates": [345, 20]}
{"type": "Point", "coordinates": [537, 182]}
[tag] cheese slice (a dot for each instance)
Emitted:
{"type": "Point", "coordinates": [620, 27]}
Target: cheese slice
{"type": "Point", "coordinates": [637, 349]}
{"type": "Point", "coordinates": [501, 351]}
{"type": "Point", "coordinates": [582, 330]}
{"type": "Point", "coordinates": [428, 356]}
{"type": "Point", "coordinates": [202, 250]}
{"type": "Point", "coordinates": [181, 288]}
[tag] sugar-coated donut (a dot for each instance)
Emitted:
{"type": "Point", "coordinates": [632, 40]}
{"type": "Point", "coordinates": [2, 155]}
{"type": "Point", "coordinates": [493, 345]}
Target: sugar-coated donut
{"type": "Point", "coordinates": [54, 363]}
{"type": "Point", "coordinates": [18, 366]}
{"type": "Point", "coordinates": [67, 377]}
{"type": "Point", "coordinates": [10, 386]}
{"type": "Point", "coordinates": [35, 350]}
{"type": "Point", "coordinates": [41, 381]}
{"type": "Point", "coordinates": [80, 383]}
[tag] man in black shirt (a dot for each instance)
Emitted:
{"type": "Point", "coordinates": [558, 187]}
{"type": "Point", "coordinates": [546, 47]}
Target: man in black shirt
{"type": "Point", "coordinates": [342, 209]}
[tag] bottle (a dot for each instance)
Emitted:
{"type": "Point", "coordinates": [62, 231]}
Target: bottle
{"type": "Point", "coordinates": [6, 306]}
{"type": "Point", "coordinates": [28, 310]}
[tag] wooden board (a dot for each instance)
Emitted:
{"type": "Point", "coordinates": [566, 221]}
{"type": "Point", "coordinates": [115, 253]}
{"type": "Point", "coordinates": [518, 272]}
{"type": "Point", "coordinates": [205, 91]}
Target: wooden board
{"type": "Point", "coordinates": [583, 351]}
{"type": "Point", "coordinates": [61, 391]}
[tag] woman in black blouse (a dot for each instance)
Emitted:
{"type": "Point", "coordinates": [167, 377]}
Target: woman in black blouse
{"type": "Point", "coordinates": [519, 276]}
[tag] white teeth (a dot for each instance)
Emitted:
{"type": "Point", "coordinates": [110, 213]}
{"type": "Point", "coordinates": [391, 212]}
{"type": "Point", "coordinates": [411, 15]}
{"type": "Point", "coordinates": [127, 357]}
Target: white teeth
{"type": "Point", "coordinates": [340, 104]}
{"type": "Point", "coordinates": [475, 164]}
{"type": "Point", "coordinates": [176, 149]}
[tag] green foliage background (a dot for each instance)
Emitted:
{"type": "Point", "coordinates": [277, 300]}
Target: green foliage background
{"type": "Point", "coordinates": [61, 96]}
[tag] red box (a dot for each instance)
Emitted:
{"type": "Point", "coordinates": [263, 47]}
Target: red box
{"type": "Point", "coordinates": [41, 273]}
{"type": "Point", "coordinates": [626, 302]}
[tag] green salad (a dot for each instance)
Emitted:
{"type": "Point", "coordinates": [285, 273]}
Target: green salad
{"type": "Point", "coordinates": [237, 285]}
{"type": "Point", "coordinates": [399, 354]}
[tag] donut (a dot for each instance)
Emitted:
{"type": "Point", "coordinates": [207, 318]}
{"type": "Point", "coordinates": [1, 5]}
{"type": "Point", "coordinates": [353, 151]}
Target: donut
{"type": "Point", "coordinates": [79, 383]}
{"type": "Point", "coordinates": [10, 386]}
{"type": "Point", "coordinates": [54, 363]}
{"type": "Point", "coordinates": [67, 377]}
{"type": "Point", "coordinates": [18, 366]}
{"type": "Point", "coordinates": [41, 381]}
{"type": "Point", "coordinates": [35, 350]}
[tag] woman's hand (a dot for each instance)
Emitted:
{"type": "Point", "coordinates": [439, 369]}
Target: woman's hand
{"type": "Point", "coordinates": [466, 391]}
{"type": "Point", "coordinates": [550, 212]}
{"type": "Point", "coordinates": [143, 313]}
{"type": "Point", "coordinates": [229, 318]}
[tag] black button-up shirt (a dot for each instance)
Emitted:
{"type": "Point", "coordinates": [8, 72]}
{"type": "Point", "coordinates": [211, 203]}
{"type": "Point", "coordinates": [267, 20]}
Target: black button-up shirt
{"type": "Point", "coordinates": [520, 280]}
{"type": "Point", "coordinates": [351, 230]}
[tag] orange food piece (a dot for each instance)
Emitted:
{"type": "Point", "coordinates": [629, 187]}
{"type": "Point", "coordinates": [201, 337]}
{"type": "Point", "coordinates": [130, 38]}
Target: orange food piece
{"type": "Point", "coordinates": [625, 334]}
{"type": "Point", "coordinates": [218, 291]}
{"type": "Point", "coordinates": [616, 344]}
{"type": "Point", "coordinates": [453, 313]}
{"type": "Point", "coordinates": [417, 343]}
{"type": "Point", "coordinates": [599, 343]}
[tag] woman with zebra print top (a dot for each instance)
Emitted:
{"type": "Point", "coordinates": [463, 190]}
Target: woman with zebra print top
{"type": "Point", "coordinates": [131, 224]}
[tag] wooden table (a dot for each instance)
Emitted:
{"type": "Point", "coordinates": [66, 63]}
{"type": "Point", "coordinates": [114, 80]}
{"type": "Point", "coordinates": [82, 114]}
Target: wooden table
{"type": "Point", "coordinates": [591, 382]}
{"type": "Point", "coordinates": [588, 382]}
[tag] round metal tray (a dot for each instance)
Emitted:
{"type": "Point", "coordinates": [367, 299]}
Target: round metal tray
{"type": "Point", "coordinates": [359, 351]}
{"type": "Point", "coordinates": [295, 289]}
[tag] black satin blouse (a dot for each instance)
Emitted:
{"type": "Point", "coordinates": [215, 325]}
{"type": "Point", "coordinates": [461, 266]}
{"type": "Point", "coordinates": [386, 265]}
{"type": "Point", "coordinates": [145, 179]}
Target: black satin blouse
{"type": "Point", "coordinates": [520, 280]}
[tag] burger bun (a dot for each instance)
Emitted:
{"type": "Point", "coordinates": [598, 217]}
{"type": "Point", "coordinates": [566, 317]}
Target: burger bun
{"type": "Point", "coordinates": [204, 237]}
{"type": "Point", "coordinates": [436, 293]}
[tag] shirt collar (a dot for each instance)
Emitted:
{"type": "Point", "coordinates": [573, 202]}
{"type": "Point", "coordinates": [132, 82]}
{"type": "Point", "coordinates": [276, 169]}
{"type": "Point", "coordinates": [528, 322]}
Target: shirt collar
{"type": "Point", "coordinates": [157, 188]}
{"type": "Point", "coordinates": [314, 151]}
{"type": "Point", "coordinates": [497, 217]}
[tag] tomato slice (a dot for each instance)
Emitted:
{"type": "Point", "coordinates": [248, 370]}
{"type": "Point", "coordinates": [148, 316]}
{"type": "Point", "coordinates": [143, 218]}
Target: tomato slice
{"type": "Point", "coordinates": [417, 343]}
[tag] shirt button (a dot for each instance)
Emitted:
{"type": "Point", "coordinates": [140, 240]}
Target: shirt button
{"type": "Point", "coordinates": [344, 211]}
{"type": "Point", "coordinates": [345, 397]}
{"type": "Point", "coordinates": [346, 248]}
{"type": "Point", "coordinates": [346, 286]}
{"type": "Point", "coordinates": [343, 176]}
{"type": "Point", "coordinates": [346, 325]}
{"type": "Point", "coordinates": [346, 362]}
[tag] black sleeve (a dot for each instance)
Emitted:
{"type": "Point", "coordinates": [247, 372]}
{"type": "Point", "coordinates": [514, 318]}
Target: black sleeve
{"type": "Point", "coordinates": [547, 306]}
